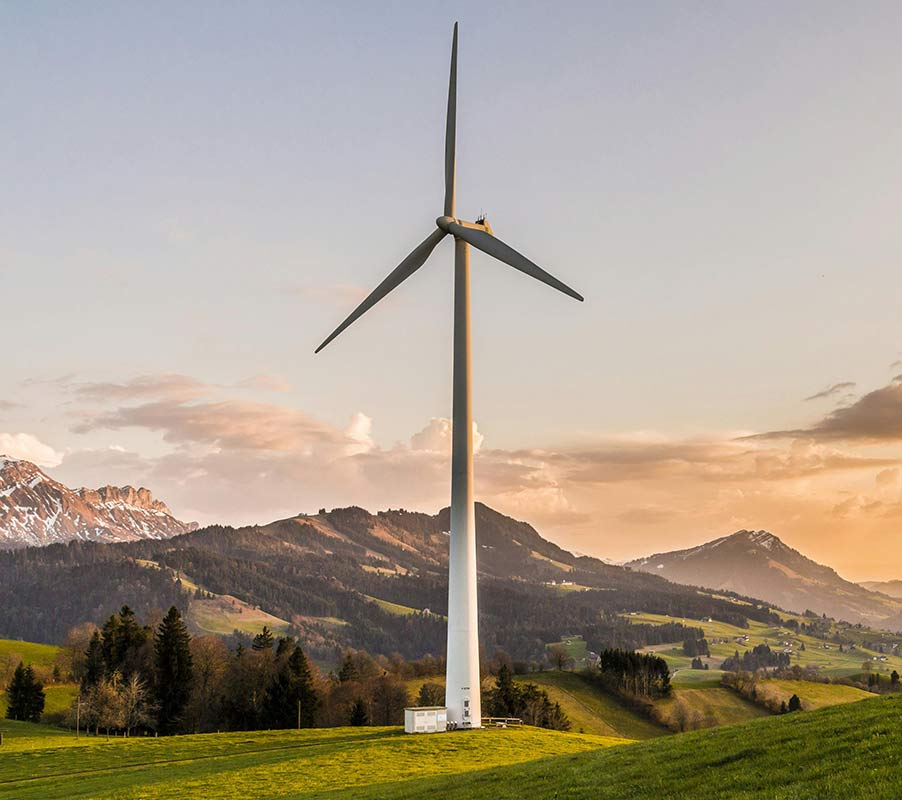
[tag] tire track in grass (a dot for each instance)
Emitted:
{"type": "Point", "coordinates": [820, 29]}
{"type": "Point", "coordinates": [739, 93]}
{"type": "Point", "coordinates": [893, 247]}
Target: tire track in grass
{"type": "Point", "coordinates": [186, 760]}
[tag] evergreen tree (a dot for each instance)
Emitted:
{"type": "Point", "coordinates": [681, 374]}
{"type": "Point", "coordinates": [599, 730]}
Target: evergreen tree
{"type": "Point", "coordinates": [894, 678]}
{"type": "Point", "coordinates": [505, 699]}
{"type": "Point", "coordinates": [358, 713]}
{"type": "Point", "coordinates": [94, 668]}
{"type": "Point", "coordinates": [794, 703]}
{"type": "Point", "coordinates": [263, 640]}
{"type": "Point", "coordinates": [291, 689]}
{"type": "Point", "coordinates": [431, 694]}
{"type": "Point", "coordinates": [173, 670]}
{"type": "Point", "coordinates": [348, 671]}
{"type": "Point", "coordinates": [25, 695]}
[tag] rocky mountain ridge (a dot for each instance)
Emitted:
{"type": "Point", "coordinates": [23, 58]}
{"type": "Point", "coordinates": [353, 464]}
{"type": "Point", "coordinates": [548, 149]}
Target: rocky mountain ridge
{"type": "Point", "coordinates": [36, 510]}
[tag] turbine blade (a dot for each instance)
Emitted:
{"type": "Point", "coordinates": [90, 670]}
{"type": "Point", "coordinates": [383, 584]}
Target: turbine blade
{"type": "Point", "coordinates": [491, 245]}
{"type": "Point", "coordinates": [397, 276]}
{"type": "Point", "coordinates": [451, 130]}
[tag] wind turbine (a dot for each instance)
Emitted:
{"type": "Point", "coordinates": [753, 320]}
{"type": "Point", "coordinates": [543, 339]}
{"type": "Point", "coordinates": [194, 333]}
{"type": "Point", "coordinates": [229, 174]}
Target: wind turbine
{"type": "Point", "coordinates": [462, 683]}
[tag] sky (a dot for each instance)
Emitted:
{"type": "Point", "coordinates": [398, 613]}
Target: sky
{"type": "Point", "coordinates": [195, 195]}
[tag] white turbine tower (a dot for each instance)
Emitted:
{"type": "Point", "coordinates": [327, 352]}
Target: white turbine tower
{"type": "Point", "coordinates": [462, 676]}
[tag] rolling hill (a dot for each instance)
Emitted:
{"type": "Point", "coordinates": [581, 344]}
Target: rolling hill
{"type": "Point", "coordinates": [348, 578]}
{"type": "Point", "coordinates": [759, 564]}
{"type": "Point", "coordinates": [891, 588]}
{"type": "Point", "coordinates": [803, 756]}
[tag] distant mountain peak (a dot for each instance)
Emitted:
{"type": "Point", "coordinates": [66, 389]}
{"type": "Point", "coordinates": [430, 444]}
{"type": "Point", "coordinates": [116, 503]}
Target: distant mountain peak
{"type": "Point", "coordinates": [761, 538]}
{"type": "Point", "coordinates": [36, 510]}
{"type": "Point", "coordinates": [760, 564]}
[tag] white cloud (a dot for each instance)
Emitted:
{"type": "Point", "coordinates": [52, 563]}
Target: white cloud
{"type": "Point", "coordinates": [359, 433]}
{"type": "Point", "coordinates": [29, 448]}
{"type": "Point", "coordinates": [436, 437]}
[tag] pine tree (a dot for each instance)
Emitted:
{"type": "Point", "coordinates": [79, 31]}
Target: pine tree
{"type": "Point", "coordinates": [25, 695]}
{"type": "Point", "coordinates": [894, 678]}
{"type": "Point", "coordinates": [173, 670]}
{"type": "Point", "coordinates": [263, 640]}
{"type": "Point", "coordinates": [431, 694]}
{"type": "Point", "coordinates": [358, 713]}
{"type": "Point", "coordinates": [794, 703]}
{"type": "Point", "coordinates": [505, 699]}
{"type": "Point", "coordinates": [291, 690]}
{"type": "Point", "coordinates": [348, 671]}
{"type": "Point", "coordinates": [94, 663]}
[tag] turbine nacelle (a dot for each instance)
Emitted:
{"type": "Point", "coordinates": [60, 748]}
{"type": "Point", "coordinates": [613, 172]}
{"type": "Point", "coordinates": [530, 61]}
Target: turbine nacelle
{"type": "Point", "coordinates": [446, 223]}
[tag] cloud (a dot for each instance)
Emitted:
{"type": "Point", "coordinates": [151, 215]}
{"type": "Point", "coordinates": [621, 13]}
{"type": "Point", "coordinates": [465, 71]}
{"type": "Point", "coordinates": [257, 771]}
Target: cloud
{"type": "Point", "coordinates": [887, 478]}
{"type": "Point", "coordinates": [29, 448]}
{"type": "Point", "coordinates": [875, 417]}
{"type": "Point", "coordinates": [645, 515]}
{"type": "Point", "coordinates": [436, 437]}
{"type": "Point", "coordinates": [895, 364]}
{"type": "Point", "coordinates": [232, 424]}
{"type": "Point", "coordinates": [836, 388]}
{"type": "Point", "coordinates": [8, 405]}
{"type": "Point", "coordinates": [170, 386]}
{"type": "Point", "coordinates": [238, 461]}
{"type": "Point", "coordinates": [358, 432]}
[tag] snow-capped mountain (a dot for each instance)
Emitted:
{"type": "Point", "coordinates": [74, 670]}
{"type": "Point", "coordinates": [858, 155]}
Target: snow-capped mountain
{"type": "Point", "coordinates": [36, 510]}
{"type": "Point", "coordinates": [759, 564]}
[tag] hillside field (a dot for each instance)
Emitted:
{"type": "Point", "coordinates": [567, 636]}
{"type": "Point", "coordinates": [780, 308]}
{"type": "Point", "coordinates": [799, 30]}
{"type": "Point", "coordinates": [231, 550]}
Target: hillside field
{"type": "Point", "coordinates": [850, 751]}
{"type": "Point", "coordinates": [591, 710]}
{"type": "Point", "coordinates": [38, 765]}
{"type": "Point", "coordinates": [827, 659]}
{"type": "Point", "coordinates": [13, 651]}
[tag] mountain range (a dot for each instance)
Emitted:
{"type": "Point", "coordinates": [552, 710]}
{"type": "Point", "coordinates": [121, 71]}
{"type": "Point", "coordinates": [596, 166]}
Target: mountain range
{"type": "Point", "coordinates": [36, 510]}
{"type": "Point", "coordinates": [891, 588]}
{"type": "Point", "coordinates": [759, 564]}
{"type": "Point", "coordinates": [351, 578]}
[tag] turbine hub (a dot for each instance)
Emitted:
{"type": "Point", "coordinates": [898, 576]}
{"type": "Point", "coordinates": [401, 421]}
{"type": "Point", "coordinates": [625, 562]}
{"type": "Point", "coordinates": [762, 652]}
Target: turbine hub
{"type": "Point", "coordinates": [444, 222]}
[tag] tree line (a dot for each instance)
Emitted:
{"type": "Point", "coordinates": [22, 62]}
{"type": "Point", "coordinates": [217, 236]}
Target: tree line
{"type": "Point", "coordinates": [155, 677]}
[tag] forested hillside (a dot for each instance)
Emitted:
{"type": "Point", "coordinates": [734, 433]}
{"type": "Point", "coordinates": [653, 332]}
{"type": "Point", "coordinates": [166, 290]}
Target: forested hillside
{"type": "Point", "coordinates": [348, 578]}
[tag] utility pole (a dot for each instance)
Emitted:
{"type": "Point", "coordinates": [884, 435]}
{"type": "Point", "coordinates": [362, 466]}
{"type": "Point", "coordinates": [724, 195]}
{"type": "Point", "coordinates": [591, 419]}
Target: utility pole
{"type": "Point", "coordinates": [78, 716]}
{"type": "Point", "coordinates": [299, 714]}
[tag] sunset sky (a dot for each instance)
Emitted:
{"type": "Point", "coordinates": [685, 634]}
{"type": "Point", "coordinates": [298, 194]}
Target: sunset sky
{"type": "Point", "coordinates": [194, 195]}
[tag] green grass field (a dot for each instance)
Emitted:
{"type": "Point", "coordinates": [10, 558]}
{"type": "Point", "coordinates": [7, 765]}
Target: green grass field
{"type": "Point", "coordinates": [37, 766]}
{"type": "Point", "coordinates": [590, 710]}
{"type": "Point", "coordinates": [829, 662]}
{"type": "Point", "coordinates": [851, 751]}
{"type": "Point", "coordinates": [13, 651]}
{"type": "Point", "coordinates": [812, 695]}
{"type": "Point", "coordinates": [58, 699]}
{"type": "Point", "coordinates": [392, 608]}
{"type": "Point", "coordinates": [690, 708]}
{"type": "Point", "coordinates": [576, 648]}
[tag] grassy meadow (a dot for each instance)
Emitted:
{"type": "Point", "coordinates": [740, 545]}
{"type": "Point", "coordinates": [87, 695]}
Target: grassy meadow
{"type": "Point", "coordinates": [591, 710]}
{"type": "Point", "coordinates": [851, 751]}
{"type": "Point", "coordinates": [828, 660]}
{"type": "Point", "coordinates": [270, 764]}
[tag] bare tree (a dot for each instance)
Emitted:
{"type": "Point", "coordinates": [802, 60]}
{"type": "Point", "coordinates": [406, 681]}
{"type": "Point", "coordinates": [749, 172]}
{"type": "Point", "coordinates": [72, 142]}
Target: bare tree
{"type": "Point", "coordinates": [136, 709]}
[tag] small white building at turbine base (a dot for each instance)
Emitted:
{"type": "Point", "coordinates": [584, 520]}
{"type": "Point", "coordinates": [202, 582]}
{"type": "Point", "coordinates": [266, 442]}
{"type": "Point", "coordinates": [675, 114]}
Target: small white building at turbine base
{"type": "Point", "coordinates": [426, 719]}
